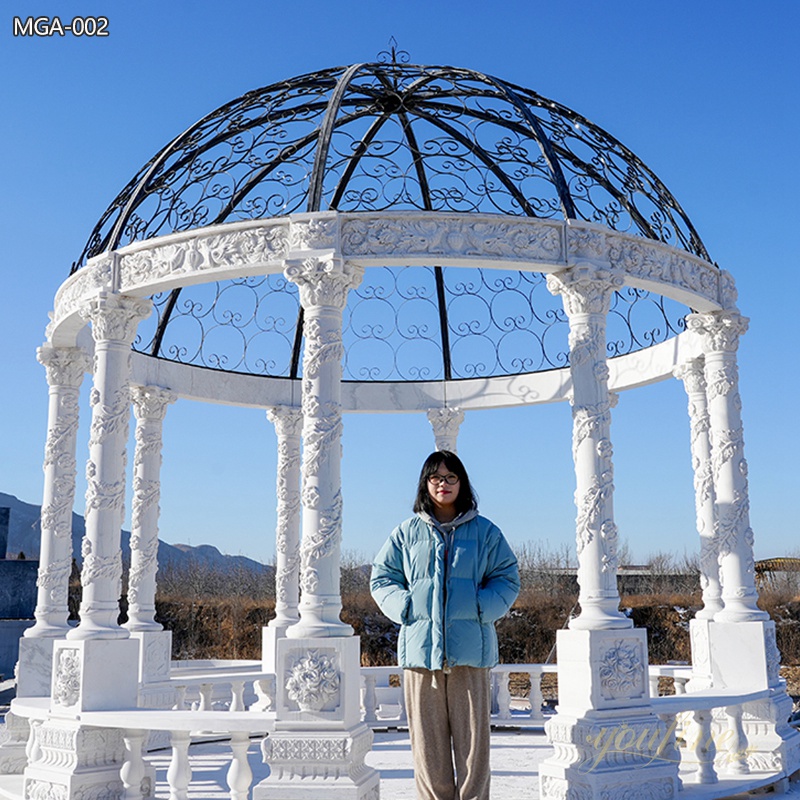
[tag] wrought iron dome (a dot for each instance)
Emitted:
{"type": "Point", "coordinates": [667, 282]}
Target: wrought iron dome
{"type": "Point", "coordinates": [382, 136]}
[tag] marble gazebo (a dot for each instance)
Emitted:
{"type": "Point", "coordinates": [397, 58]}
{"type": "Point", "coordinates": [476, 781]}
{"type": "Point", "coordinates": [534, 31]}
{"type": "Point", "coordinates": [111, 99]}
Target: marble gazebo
{"type": "Point", "coordinates": [381, 238]}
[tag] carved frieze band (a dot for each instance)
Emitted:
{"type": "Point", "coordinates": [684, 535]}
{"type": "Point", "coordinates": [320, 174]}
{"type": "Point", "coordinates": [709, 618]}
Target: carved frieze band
{"type": "Point", "coordinates": [396, 236]}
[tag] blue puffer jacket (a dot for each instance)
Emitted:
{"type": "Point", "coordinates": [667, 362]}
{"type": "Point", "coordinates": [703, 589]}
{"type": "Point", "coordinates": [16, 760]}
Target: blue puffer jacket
{"type": "Point", "coordinates": [447, 607]}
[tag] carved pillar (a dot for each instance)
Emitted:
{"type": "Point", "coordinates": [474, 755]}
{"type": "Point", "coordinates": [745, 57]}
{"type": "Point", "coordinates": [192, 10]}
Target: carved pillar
{"type": "Point", "coordinates": [720, 332]}
{"type": "Point", "coordinates": [586, 292]}
{"type": "Point", "coordinates": [288, 422]}
{"type": "Point", "coordinates": [65, 370]}
{"type": "Point", "coordinates": [445, 423]}
{"type": "Point", "coordinates": [114, 319]}
{"type": "Point", "coordinates": [603, 696]}
{"type": "Point", "coordinates": [149, 408]}
{"type": "Point", "coordinates": [692, 373]}
{"type": "Point", "coordinates": [324, 284]}
{"type": "Point", "coordinates": [319, 740]}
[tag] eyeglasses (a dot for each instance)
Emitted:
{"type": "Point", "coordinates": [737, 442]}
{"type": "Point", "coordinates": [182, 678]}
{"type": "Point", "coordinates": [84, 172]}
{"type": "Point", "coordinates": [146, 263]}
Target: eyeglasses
{"type": "Point", "coordinates": [436, 479]}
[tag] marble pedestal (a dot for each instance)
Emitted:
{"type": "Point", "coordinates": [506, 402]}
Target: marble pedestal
{"type": "Point", "coordinates": [319, 743]}
{"type": "Point", "coordinates": [66, 758]}
{"type": "Point", "coordinates": [607, 740]}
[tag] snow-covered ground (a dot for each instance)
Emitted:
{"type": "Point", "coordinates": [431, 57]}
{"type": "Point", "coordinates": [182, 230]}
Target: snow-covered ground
{"type": "Point", "coordinates": [515, 758]}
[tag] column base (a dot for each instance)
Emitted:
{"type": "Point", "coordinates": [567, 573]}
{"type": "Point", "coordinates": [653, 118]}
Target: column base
{"type": "Point", "coordinates": [601, 614]}
{"type": "Point", "coordinates": [13, 749]}
{"type": "Point", "coordinates": [155, 655]}
{"type": "Point", "coordinates": [772, 744]}
{"type": "Point", "coordinates": [71, 761]}
{"type": "Point", "coordinates": [700, 637]}
{"type": "Point", "coordinates": [34, 669]}
{"type": "Point", "coordinates": [609, 755]}
{"type": "Point", "coordinates": [602, 670]}
{"type": "Point", "coordinates": [744, 655]}
{"type": "Point", "coordinates": [314, 764]}
{"type": "Point", "coordinates": [94, 675]}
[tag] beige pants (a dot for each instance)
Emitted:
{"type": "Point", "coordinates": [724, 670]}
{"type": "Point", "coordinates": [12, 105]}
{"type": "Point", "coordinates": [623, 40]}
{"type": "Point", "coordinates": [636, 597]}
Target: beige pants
{"type": "Point", "coordinates": [448, 720]}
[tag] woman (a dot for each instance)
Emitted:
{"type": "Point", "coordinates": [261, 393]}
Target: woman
{"type": "Point", "coordinates": [446, 575]}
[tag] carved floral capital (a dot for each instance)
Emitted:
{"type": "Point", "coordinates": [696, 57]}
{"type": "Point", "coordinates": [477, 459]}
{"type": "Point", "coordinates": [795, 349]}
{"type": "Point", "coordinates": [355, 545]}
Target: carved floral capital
{"type": "Point", "coordinates": [585, 289]}
{"type": "Point", "coordinates": [115, 317]}
{"type": "Point", "coordinates": [720, 330]}
{"type": "Point", "coordinates": [323, 281]}
{"type": "Point", "coordinates": [65, 366]}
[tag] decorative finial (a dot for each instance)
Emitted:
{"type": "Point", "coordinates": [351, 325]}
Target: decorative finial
{"type": "Point", "coordinates": [393, 55]}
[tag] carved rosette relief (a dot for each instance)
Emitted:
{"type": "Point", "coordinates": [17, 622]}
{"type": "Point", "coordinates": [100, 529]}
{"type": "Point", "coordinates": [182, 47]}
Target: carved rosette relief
{"type": "Point", "coordinates": [719, 333]}
{"type": "Point", "coordinates": [586, 291]}
{"type": "Point", "coordinates": [150, 405]}
{"type": "Point", "coordinates": [313, 681]}
{"type": "Point", "coordinates": [446, 423]}
{"type": "Point", "coordinates": [622, 670]}
{"type": "Point", "coordinates": [288, 421]}
{"type": "Point", "coordinates": [67, 682]}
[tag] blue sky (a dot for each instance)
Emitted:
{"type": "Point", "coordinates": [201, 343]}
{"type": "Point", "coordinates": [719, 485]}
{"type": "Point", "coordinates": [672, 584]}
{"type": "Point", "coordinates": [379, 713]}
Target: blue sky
{"type": "Point", "coordinates": [706, 93]}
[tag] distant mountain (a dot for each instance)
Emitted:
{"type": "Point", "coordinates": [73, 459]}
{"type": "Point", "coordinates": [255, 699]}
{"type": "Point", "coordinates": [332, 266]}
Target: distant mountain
{"type": "Point", "coordinates": [24, 537]}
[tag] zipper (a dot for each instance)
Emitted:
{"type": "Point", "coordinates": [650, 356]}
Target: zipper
{"type": "Point", "coordinates": [448, 541]}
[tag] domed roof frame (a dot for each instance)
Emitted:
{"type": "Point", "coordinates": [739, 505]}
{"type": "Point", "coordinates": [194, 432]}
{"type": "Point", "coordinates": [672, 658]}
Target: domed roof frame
{"type": "Point", "coordinates": [375, 96]}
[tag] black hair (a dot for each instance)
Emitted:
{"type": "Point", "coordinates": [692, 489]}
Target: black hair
{"type": "Point", "coordinates": [466, 498]}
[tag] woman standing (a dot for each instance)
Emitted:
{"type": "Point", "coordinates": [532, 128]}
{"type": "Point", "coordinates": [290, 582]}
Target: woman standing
{"type": "Point", "coordinates": [446, 575]}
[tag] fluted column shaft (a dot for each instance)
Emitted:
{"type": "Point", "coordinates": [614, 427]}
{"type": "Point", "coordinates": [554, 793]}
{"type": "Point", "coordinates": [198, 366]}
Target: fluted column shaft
{"type": "Point", "coordinates": [288, 422]}
{"type": "Point", "coordinates": [149, 409]}
{"type": "Point", "coordinates": [114, 319]}
{"type": "Point", "coordinates": [323, 284]}
{"type": "Point", "coordinates": [586, 291]}
{"type": "Point", "coordinates": [65, 367]}
{"type": "Point", "coordinates": [720, 332]}
{"type": "Point", "coordinates": [692, 373]}
{"type": "Point", "coordinates": [446, 423]}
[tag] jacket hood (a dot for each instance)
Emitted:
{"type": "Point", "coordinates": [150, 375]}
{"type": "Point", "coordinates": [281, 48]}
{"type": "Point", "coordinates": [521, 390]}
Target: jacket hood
{"type": "Point", "coordinates": [448, 527]}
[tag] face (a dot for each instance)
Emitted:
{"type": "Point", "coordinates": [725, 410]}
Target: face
{"type": "Point", "coordinates": [443, 493]}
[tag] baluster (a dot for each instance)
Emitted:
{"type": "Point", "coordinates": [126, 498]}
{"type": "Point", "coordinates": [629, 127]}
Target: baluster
{"type": "Point", "coordinates": [704, 748]}
{"type": "Point", "coordinates": [735, 760]}
{"type": "Point", "coordinates": [503, 695]}
{"type": "Point", "coordinates": [180, 698]}
{"type": "Point", "coordinates": [179, 774]}
{"type": "Point", "coordinates": [237, 696]}
{"type": "Point", "coordinates": [370, 698]}
{"type": "Point", "coordinates": [33, 752]}
{"type": "Point", "coordinates": [132, 772]}
{"type": "Point", "coordinates": [680, 684]}
{"type": "Point", "coordinates": [240, 776]}
{"type": "Point", "coordinates": [205, 697]}
{"type": "Point", "coordinates": [667, 749]}
{"type": "Point", "coordinates": [535, 696]}
{"type": "Point", "coordinates": [653, 681]}
{"type": "Point", "coordinates": [402, 717]}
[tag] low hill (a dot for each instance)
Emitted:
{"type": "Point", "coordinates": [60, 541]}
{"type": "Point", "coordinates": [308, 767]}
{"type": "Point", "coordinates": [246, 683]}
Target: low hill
{"type": "Point", "coordinates": [24, 537]}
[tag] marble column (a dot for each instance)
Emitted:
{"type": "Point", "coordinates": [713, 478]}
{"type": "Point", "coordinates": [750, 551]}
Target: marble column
{"type": "Point", "coordinates": [586, 291]}
{"type": "Point", "coordinates": [288, 422]}
{"type": "Point", "coordinates": [692, 373]}
{"type": "Point", "coordinates": [446, 423]}
{"type": "Point", "coordinates": [149, 408]}
{"type": "Point", "coordinates": [65, 367]}
{"type": "Point", "coordinates": [323, 283]}
{"type": "Point", "coordinates": [720, 332]}
{"type": "Point", "coordinates": [114, 320]}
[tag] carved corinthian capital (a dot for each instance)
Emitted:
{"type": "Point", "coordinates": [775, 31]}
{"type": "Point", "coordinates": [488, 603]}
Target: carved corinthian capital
{"type": "Point", "coordinates": [323, 281]}
{"type": "Point", "coordinates": [585, 289]}
{"type": "Point", "coordinates": [150, 402]}
{"type": "Point", "coordinates": [446, 423]}
{"type": "Point", "coordinates": [720, 330]}
{"type": "Point", "coordinates": [288, 420]}
{"type": "Point", "coordinates": [65, 366]}
{"type": "Point", "coordinates": [115, 317]}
